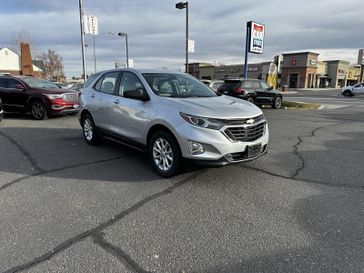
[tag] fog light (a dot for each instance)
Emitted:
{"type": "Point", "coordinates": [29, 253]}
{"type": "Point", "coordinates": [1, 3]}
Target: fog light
{"type": "Point", "coordinates": [196, 148]}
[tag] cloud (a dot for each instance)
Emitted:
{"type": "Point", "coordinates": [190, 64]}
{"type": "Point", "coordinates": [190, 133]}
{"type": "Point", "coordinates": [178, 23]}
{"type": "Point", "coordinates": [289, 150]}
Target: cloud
{"type": "Point", "coordinates": [156, 29]}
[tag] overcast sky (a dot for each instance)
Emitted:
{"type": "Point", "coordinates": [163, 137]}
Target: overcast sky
{"type": "Point", "coordinates": [156, 29]}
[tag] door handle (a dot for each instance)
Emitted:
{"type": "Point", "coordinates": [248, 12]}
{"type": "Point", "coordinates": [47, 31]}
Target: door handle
{"type": "Point", "coordinates": [93, 95]}
{"type": "Point", "coordinates": [116, 101]}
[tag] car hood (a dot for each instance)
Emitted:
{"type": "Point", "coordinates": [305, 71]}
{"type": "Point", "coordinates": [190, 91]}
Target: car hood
{"type": "Point", "coordinates": [52, 91]}
{"type": "Point", "coordinates": [220, 107]}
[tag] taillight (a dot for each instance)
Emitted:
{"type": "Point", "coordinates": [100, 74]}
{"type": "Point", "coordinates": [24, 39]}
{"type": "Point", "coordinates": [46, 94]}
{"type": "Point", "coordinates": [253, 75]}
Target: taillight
{"type": "Point", "coordinates": [239, 90]}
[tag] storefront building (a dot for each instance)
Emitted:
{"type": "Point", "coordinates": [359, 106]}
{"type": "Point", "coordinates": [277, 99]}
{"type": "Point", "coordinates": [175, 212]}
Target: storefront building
{"type": "Point", "coordinates": [299, 70]}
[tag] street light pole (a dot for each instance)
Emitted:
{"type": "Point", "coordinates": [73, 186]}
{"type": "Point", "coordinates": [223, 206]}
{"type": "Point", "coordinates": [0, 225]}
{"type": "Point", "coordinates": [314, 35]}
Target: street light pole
{"type": "Point", "coordinates": [82, 40]}
{"type": "Point", "coordinates": [184, 5]}
{"type": "Point", "coordinates": [94, 40]}
{"type": "Point", "coordinates": [122, 34]}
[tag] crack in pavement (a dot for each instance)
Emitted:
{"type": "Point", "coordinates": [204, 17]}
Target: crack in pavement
{"type": "Point", "coordinates": [20, 179]}
{"type": "Point", "coordinates": [96, 230]}
{"type": "Point", "coordinates": [98, 239]}
{"type": "Point", "coordinates": [299, 169]}
{"type": "Point", "coordinates": [31, 160]}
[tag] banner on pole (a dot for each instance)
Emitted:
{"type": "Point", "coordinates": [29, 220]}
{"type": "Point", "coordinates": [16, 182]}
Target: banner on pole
{"type": "Point", "coordinates": [91, 24]}
{"type": "Point", "coordinates": [256, 37]}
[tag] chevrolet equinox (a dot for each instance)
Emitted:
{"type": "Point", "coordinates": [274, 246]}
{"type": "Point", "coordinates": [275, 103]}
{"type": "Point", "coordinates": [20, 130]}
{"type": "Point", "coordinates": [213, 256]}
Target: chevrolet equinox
{"type": "Point", "coordinates": [172, 116]}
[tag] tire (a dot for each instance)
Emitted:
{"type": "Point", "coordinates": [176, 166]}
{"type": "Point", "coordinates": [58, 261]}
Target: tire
{"type": "Point", "coordinates": [38, 110]}
{"type": "Point", "coordinates": [89, 130]}
{"type": "Point", "coordinates": [250, 99]}
{"type": "Point", "coordinates": [277, 103]}
{"type": "Point", "coordinates": [164, 154]}
{"type": "Point", "coordinates": [347, 93]}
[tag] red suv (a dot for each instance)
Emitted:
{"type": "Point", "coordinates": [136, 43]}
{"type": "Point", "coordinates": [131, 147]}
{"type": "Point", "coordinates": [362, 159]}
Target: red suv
{"type": "Point", "coordinates": [37, 96]}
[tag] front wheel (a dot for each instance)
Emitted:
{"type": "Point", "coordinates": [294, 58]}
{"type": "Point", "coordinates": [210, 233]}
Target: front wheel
{"type": "Point", "coordinates": [277, 103]}
{"type": "Point", "coordinates": [164, 154]}
{"type": "Point", "coordinates": [38, 110]}
{"type": "Point", "coordinates": [251, 100]}
{"type": "Point", "coordinates": [347, 93]}
{"type": "Point", "coordinates": [89, 130]}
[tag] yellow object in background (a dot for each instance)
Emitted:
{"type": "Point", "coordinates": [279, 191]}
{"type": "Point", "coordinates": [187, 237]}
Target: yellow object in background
{"type": "Point", "coordinates": [272, 76]}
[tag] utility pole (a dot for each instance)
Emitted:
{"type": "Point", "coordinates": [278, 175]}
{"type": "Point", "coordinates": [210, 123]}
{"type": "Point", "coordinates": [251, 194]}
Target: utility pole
{"type": "Point", "coordinates": [184, 5]}
{"type": "Point", "coordinates": [82, 40]}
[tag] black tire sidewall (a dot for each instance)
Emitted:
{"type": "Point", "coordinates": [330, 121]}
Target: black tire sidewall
{"type": "Point", "coordinates": [275, 103]}
{"type": "Point", "coordinates": [44, 116]}
{"type": "Point", "coordinates": [347, 93]}
{"type": "Point", "coordinates": [177, 157]}
{"type": "Point", "coordinates": [252, 100]}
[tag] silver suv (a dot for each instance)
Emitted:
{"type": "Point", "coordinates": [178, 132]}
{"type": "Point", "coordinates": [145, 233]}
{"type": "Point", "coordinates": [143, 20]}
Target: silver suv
{"type": "Point", "coordinates": [172, 116]}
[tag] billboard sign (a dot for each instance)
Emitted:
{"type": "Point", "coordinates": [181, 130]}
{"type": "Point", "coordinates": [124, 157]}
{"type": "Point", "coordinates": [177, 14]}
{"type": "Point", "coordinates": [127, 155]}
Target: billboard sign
{"type": "Point", "coordinates": [256, 37]}
{"type": "Point", "coordinates": [91, 24]}
{"type": "Point", "coordinates": [191, 46]}
{"type": "Point", "coordinates": [361, 57]}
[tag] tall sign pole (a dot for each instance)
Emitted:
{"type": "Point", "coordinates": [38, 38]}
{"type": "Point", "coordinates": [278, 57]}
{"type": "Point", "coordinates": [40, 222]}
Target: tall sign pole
{"type": "Point", "coordinates": [247, 43]}
{"type": "Point", "coordinates": [186, 37]}
{"type": "Point", "coordinates": [82, 40]}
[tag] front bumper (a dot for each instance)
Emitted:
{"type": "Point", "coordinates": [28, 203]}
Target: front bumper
{"type": "Point", "coordinates": [218, 148]}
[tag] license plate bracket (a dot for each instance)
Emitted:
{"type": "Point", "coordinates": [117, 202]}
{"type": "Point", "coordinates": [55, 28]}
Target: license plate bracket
{"type": "Point", "coordinates": [254, 150]}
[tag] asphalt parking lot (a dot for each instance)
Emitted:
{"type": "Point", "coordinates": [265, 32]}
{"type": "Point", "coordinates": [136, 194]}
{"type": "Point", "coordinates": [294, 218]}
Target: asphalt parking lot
{"type": "Point", "coordinates": [69, 207]}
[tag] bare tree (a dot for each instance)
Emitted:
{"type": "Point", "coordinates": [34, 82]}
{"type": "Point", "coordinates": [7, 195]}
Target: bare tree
{"type": "Point", "coordinates": [53, 64]}
{"type": "Point", "coordinates": [23, 37]}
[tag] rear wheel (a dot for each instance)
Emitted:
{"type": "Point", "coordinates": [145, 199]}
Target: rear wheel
{"type": "Point", "coordinates": [38, 110]}
{"type": "Point", "coordinates": [164, 154]}
{"type": "Point", "coordinates": [251, 100]}
{"type": "Point", "coordinates": [277, 103]}
{"type": "Point", "coordinates": [347, 93]}
{"type": "Point", "coordinates": [89, 130]}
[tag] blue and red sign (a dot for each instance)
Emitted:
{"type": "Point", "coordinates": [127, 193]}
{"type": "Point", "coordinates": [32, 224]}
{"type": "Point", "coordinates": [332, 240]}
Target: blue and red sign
{"type": "Point", "coordinates": [256, 37]}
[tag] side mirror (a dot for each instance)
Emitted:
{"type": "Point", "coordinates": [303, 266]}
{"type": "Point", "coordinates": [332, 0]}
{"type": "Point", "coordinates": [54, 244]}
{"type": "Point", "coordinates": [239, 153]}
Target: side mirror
{"type": "Point", "coordinates": [138, 94]}
{"type": "Point", "coordinates": [20, 87]}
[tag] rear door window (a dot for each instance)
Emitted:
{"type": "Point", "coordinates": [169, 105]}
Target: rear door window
{"type": "Point", "coordinates": [248, 84]}
{"type": "Point", "coordinates": [107, 83]}
{"type": "Point", "coordinates": [256, 85]}
{"type": "Point", "coordinates": [3, 83]}
{"type": "Point", "coordinates": [12, 83]}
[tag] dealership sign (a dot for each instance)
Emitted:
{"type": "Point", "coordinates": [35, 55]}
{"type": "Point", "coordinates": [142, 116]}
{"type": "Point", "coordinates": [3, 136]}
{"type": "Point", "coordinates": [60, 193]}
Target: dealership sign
{"type": "Point", "coordinates": [256, 37]}
{"type": "Point", "coordinates": [91, 24]}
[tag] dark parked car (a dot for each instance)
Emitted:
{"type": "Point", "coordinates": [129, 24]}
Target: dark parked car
{"type": "Point", "coordinates": [1, 110]}
{"type": "Point", "coordinates": [37, 96]}
{"type": "Point", "coordinates": [252, 90]}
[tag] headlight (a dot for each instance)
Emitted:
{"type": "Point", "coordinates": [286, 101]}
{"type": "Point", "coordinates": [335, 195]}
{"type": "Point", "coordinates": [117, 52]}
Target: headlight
{"type": "Point", "coordinates": [55, 96]}
{"type": "Point", "coordinates": [202, 121]}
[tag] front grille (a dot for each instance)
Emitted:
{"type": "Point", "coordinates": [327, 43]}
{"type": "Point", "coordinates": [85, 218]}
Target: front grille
{"type": "Point", "coordinates": [71, 97]}
{"type": "Point", "coordinates": [246, 133]}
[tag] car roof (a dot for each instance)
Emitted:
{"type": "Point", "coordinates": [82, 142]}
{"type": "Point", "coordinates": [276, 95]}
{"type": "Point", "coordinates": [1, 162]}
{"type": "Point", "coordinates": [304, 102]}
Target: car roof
{"type": "Point", "coordinates": [141, 70]}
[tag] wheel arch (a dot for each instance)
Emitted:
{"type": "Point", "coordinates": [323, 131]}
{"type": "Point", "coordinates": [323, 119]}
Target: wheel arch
{"type": "Point", "coordinates": [160, 127]}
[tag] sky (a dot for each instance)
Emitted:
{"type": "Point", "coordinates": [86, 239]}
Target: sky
{"type": "Point", "coordinates": [156, 30]}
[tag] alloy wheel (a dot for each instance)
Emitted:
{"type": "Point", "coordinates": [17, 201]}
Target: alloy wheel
{"type": "Point", "coordinates": [88, 129]}
{"type": "Point", "coordinates": [162, 154]}
{"type": "Point", "coordinates": [38, 110]}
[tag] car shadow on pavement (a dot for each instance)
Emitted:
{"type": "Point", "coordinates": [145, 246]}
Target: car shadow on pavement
{"type": "Point", "coordinates": [63, 153]}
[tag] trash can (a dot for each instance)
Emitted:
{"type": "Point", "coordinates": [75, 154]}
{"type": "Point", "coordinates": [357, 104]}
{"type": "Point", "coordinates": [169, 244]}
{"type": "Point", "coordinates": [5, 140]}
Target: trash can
{"type": "Point", "coordinates": [285, 88]}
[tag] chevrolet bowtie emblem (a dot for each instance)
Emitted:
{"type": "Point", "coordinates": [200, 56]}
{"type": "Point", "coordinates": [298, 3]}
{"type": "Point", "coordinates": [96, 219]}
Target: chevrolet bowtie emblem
{"type": "Point", "coordinates": [250, 121]}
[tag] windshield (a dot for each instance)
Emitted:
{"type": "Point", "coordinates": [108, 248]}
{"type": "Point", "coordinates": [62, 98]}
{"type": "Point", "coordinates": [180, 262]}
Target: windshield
{"type": "Point", "coordinates": [177, 85]}
{"type": "Point", "coordinates": [264, 85]}
{"type": "Point", "coordinates": [39, 83]}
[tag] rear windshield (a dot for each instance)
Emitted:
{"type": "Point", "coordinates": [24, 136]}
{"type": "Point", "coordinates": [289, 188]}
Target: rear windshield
{"type": "Point", "coordinates": [230, 84]}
